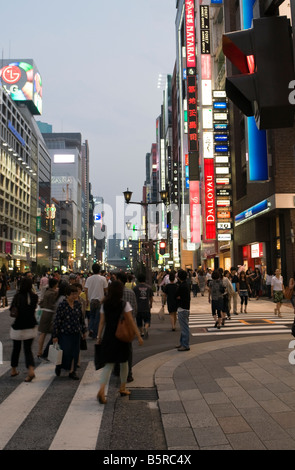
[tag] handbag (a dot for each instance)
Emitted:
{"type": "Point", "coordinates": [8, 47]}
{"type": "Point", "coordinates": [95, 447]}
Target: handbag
{"type": "Point", "coordinates": [125, 329]}
{"type": "Point", "coordinates": [83, 344]}
{"type": "Point", "coordinates": [97, 357]}
{"type": "Point", "coordinates": [14, 311]}
{"type": "Point", "coordinates": [55, 354]}
{"type": "Point", "coordinates": [288, 293]}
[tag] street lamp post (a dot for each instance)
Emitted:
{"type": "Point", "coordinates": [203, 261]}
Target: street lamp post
{"type": "Point", "coordinates": [164, 199]}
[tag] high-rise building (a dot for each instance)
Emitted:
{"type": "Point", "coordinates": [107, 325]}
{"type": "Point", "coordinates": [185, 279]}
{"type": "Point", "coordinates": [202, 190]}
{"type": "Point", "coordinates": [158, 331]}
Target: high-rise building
{"type": "Point", "coordinates": [66, 187]}
{"type": "Point", "coordinates": [25, 169]}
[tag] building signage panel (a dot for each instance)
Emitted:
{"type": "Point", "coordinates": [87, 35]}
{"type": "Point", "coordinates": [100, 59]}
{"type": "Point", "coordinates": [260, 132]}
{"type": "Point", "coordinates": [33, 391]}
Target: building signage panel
{"type": "Point", "coordinates": [208, 144]}
{"type": "Point", "coordinates": [195, 211]}
{"type": "Point", "coordinates": [223, 181]}
{"type": "Point", "coordinates": [223, 225]}
{"type": "Point", "coordinates": [224, 237]}
{"type": "Point", "coordinates": [205, 29]}
{"type": "Point", "coordinates": [252, 211]}
{"type": "Point", "coordinates": [210, 220]}
{"type": "Point", "coordinates": [223, 214]}
{"type": "Point", "coordinates": [192, 113]}
{"type": "Point", "coordinates": [190, 33]}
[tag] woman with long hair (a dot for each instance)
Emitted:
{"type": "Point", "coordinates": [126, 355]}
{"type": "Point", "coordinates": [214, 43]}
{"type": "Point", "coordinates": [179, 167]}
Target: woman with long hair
{"type": "Point", "coordinates": [244, 290]}
{"type": "Point", "coordinates": [112, 349]}
{"type": "Point", "coordinates": [24, 327]}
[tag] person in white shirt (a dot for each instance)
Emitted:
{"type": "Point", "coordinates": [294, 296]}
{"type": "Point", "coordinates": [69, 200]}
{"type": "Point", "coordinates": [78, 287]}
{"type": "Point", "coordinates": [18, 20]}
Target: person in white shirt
{"type": "Point", "coordinates": [96, 287]}
{"type": "Point", "coordinates": [277, 291]}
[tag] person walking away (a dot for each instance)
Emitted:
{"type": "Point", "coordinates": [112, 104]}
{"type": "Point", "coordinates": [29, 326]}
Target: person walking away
{"type": "Point", "coordinates": [144, 298]}
{"type": "Point", "coordinates": [277, 291]}
{"type": "Point", "coordinates": [95, 289]}
{"type": "Point", "coordinates": [128, 296]}
{"type": "Point", "coordinates": [243, 290]}
{"type": "Point", "coordinates": [47, 304]}
{"type": "Point", "coordinates": [68, 328]}
{"type": "Point", "coordinates": [183, 310]}
{"type": "Point", "coordinates": [257, 283]}
{"type": "Point", "coordinates": [202, 281]}
{"type": "Point", "coordinates": [234, 282]}
{"type": "Point", "coordinates": [229, 291]}
{"type": "Point", "coordinates": [24, 328]}
{"type": "Point", "coordinates": [170, 291]}
{"type": "Point", "coordinates": [112, 349]}
{"type": "Point", "coordinates": [215, 297]}
{"type": "Point", "coordinates": [44, 283]}
{"type": "Point", "coordinates": [195, 284]}
{"type": "Point", "coordinates": [292, 286]}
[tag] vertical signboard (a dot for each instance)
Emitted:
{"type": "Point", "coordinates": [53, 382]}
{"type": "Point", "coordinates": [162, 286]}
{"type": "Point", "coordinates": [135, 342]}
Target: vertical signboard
{"type": "Point", "coordinates": [192, 113]}
{"type": "Point", "coordinates": [209, 186]}
{"type": "Point", "coordinates": [195, 212]}
{"type": "Point", "coordinates": [257, 144]}
{"type": "Point", "coordinates": [190, 33]}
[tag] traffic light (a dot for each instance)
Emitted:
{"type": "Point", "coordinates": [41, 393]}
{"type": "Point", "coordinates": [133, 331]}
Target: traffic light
{"type": "Point", "coordinates": [263, 55]}
{"type": "Point", "coordinates": [162, 248]}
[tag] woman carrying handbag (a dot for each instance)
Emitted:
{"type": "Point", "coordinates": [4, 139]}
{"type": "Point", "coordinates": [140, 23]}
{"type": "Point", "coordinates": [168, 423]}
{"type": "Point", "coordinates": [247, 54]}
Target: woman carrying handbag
{"type": "Point", "coordinates": [24, 327]}
{"type": "Point", "coordinates": [112, 349]}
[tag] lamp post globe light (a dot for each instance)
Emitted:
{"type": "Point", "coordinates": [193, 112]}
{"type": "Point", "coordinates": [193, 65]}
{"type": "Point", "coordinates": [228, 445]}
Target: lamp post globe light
{"type": "Point", "coordinates": [164, 199]}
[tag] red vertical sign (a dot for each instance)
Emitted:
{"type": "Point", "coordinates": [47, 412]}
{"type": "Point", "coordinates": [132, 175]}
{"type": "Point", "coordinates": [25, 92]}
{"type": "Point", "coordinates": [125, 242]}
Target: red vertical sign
{"type": "Point", "coordinates": [210, 217]}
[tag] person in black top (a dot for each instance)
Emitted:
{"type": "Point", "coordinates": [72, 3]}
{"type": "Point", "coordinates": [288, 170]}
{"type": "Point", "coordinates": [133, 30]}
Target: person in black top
{"type": "Point", "coordinates": [144, 297]}
{"type": "Point", "coordinates": [183, 302]}
{"type": "Point", "coordinates": [24, 327]}
{"type": "Point", "coordinates": [234, 281]}
{"type": "Point", "coordinates": [170, 291]}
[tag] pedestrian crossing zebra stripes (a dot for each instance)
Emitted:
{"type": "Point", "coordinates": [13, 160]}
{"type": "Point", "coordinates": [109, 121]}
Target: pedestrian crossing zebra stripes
{"type": "Point", "coordinates": [81, 423]}
{"type": "Point", "coordinates": [250, 324]}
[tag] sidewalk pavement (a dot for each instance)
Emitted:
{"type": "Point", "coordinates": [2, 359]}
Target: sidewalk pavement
{"type": "Point", "coordinates": [236, 393]}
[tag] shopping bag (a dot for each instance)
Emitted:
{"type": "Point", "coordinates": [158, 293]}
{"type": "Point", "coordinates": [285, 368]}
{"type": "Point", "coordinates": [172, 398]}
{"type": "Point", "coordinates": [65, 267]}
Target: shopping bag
{"type": "Point", "coordinates": [125, 330]}
{"type": "Point", "coordinates": [38, 315]}
{"type": "Point", "coordinates": [83, 344]}
{"type": "Point", "coordinates": [97, 357]}
{"type": "Point", "coordinates": [55, 354]}
{"type": "Point", "coordinates": [288, 293]}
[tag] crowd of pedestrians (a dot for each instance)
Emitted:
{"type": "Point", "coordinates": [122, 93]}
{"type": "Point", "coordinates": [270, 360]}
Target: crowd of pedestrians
{"type": "Point", "coordinates": [74, 307]}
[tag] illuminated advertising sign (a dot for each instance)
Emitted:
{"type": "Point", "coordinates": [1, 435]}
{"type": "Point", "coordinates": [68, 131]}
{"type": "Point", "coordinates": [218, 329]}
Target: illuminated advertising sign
{"type": "Point", "coordinates": [195, 211]}
{"type": "Point", "coordinates": [221, 137]}
{"type": "Point", "coordinates": [208, 144]}
{"type": "Point", "coordinates": [22, 81]}
{"type": "Point", "coordinates": [192, 113]}
{"type": "Point", "coordinates": [259, 208]}
{"type": "Point", "coordinates": [223, 181]}
{"type": "Point", "coordinates": [224, 237]}
{"type": "Point", "coordinates": [209, 186]}
{"type": "Point", "coordinates": [205, 29]}
{"type": "Point", "coordinates": [223, 159]}
{"type": "Point", "coordinates": [220, 105]}
{"type": "Point", "coordinates": [223, 214]}
{"type": "Point", "coordinates": [257, 144]}
{"type": "Point", "coordinates": [221, 148]}
{"type": "Point", "coordinates": [257, 250]}
{"type": "Point", "coordinates": [207, 118]}
{"type": "Point", "coordinates": [190, 33]}
{"type": "Point", "coordinates": [224, 225]}
{"type": "Point", "coordinates": [220, 127]}
{"type": "Point", "coordinates": [63, 158]}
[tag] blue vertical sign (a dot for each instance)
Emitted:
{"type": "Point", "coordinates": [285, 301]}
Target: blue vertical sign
{"type": "Point", "coordinates": [257, 148]}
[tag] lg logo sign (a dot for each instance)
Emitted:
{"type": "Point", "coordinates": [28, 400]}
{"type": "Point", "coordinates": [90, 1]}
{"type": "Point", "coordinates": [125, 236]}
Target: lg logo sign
{"type": "Point", "coordinates": [11, 74]}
